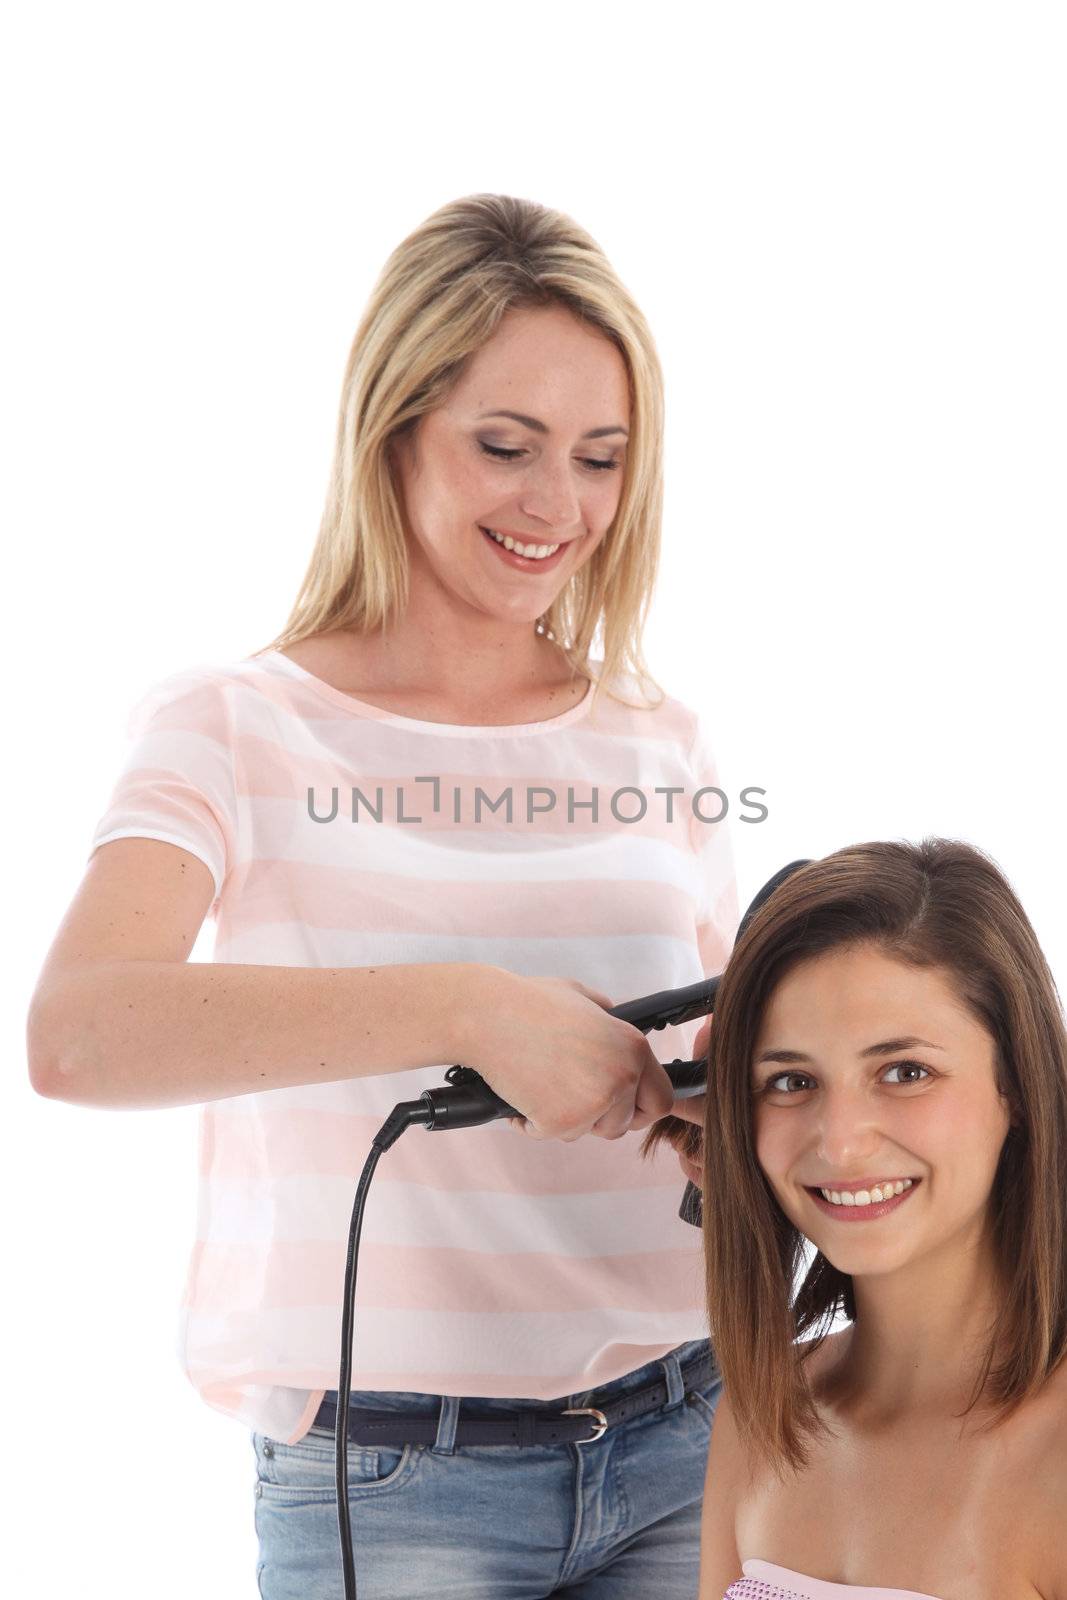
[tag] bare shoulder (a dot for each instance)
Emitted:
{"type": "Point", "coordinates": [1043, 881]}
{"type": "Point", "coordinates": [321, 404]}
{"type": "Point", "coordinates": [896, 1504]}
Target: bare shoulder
{"type": "Point", "coordinates": [720, 1564]}
{"type": "Point", "coordinates": [1043, 1433]}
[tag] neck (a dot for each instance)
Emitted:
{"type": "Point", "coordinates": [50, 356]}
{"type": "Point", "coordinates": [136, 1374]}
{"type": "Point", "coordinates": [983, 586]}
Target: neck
{"type": "Point", "coordinates": [441, 642]}
{"type": "Point", "coordinates": [921, 1334]}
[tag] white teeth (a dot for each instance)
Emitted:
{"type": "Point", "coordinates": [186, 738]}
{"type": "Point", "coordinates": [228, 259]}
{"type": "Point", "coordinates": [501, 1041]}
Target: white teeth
{"type": "Point", "coordinates": [866, 1197]}
{"type": "Point", "coordinates": [536, 552]}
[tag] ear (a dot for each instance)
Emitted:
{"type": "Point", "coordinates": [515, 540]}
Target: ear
{"type": "Point", "coordinates": [1007, 1092]}
{"type": "Point", "coordinates": [1013, 1108]}
{"type": "Point", "coordinates": [1016, 1122]}
{"type": "Point", "coordinates": [400, 446]}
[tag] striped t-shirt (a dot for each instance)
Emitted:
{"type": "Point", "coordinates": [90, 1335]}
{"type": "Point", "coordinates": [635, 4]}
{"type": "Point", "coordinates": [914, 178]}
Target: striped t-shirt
{"type": "Point", "coordinates": [339, 834]}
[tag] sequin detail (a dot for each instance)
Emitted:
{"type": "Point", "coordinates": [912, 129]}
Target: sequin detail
{"type": "Point", "coordinates": [756, 1589]}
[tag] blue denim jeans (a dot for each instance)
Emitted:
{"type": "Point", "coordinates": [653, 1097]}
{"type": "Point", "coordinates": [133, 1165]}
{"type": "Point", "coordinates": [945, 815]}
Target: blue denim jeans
{"type": "Point", "coordinates": [609, 1520]}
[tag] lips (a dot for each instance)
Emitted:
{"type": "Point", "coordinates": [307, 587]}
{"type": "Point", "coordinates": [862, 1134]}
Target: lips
{"type": "Point", "coordinates": [854, 1185]}
{"type": "Point", "coordinates": [865, 1213]}
{"type": "Point", "coordinates": [523, 538]}
{"type": "Point", "coordinates": [526, 564]}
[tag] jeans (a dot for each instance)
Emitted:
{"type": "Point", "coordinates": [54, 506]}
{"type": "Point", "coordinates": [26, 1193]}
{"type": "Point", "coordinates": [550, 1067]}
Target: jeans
{"type": "Point", "coordinates": [616, 1518]}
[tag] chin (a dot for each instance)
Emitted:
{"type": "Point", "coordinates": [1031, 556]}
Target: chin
{"type": "Point", "coordinates": [865, 1261]}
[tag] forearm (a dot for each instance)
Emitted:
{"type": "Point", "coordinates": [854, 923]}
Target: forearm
{"type": "Point", "coordinates": [159, 1033]}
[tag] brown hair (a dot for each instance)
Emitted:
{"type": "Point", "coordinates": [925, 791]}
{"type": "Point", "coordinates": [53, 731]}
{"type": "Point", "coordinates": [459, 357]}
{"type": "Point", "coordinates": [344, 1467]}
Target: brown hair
{"type": "Point", "coordinates": [439, 299]}
{"type": "Point", "coordinates": [939, 903]}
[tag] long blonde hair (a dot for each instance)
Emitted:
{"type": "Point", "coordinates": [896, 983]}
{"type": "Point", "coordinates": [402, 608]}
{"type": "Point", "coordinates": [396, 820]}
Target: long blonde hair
{"type": "Point", "coordinates": [438, 300]}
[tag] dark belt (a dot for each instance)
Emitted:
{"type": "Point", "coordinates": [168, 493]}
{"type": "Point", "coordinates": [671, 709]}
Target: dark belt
{"type": "Point", "coordinates": [577, 1425]}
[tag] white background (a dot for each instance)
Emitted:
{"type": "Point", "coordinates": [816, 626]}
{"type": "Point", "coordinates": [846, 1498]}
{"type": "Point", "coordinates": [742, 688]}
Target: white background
{"type": "Point", "coordinates": [845, 224]}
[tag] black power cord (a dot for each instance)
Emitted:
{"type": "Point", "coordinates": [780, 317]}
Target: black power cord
{"type": "Point", "coordinates": [468, 1102]}
{"type": "Point", "coordinates": [402, 1116]}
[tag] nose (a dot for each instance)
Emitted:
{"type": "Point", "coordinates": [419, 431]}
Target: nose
{"type": "Point", "coordinates": [549, 494]}
{"type": "Point", "coordinates": [846, 1129]}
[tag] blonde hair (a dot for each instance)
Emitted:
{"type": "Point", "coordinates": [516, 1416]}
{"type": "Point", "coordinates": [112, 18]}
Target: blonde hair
{"type": "Point", "coordinates": [439, 298]}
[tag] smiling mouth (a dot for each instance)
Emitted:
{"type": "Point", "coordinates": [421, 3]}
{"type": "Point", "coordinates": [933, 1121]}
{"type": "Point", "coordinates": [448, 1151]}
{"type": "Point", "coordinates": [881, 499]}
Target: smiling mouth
{"type": "Point", "coordinates": [863, 1204]}
{"type": "Point", "coordinates": [531, 550]}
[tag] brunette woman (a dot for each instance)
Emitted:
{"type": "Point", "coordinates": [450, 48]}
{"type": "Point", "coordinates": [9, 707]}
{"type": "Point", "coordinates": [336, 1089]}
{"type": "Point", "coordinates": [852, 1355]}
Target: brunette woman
{"type": "Point", "coordinates": [885, 1219]}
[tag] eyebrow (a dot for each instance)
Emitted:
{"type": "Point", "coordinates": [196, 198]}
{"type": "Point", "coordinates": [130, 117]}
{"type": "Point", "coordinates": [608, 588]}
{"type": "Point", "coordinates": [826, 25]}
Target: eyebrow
{"type": "Point", "coordinates": [885, 1047]}
{"type": "Point", "coordinates": [540, 427]}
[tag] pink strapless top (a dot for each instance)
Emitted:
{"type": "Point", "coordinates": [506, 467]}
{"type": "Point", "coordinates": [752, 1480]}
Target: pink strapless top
{"type": "Point", "coordinates": [762, 1581]}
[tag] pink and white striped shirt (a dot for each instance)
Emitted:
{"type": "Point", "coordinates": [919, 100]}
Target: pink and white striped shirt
{"type": "Point", "coordinates": [490, 1264]}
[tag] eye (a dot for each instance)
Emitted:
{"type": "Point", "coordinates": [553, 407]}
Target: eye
{"type": "Point", "coordinates": [500, 454]}
{"type": "Point", "coordinates": [788, 1083]}
{"type": "Point", "coordinates": [906, 1066]}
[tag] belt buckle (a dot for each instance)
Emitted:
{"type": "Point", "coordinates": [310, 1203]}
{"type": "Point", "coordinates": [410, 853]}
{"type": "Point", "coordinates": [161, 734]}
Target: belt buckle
{"type": "Point", "coordinates": [601, 1423]}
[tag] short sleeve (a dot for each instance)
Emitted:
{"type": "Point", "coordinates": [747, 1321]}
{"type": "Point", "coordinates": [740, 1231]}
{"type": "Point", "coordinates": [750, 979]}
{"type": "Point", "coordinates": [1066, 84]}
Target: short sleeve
{"type": "Point", "coordinates": [710, 821]}
{"type": "Point", "coordinates": [178, 782]}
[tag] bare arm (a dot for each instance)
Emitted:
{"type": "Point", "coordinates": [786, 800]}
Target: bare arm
{"type": "Point", "coordinates": [720, 1564]}
{"type": "Point", "coordinates": [120, 1018]}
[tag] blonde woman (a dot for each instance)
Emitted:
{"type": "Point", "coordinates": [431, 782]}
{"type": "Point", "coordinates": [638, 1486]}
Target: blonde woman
{"type": "Point", "coordinates": [432, 828]}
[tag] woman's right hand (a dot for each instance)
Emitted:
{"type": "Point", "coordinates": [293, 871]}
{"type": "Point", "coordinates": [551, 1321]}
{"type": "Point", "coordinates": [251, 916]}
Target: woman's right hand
{"type": "Point", "coordinates": [548, 1047]}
